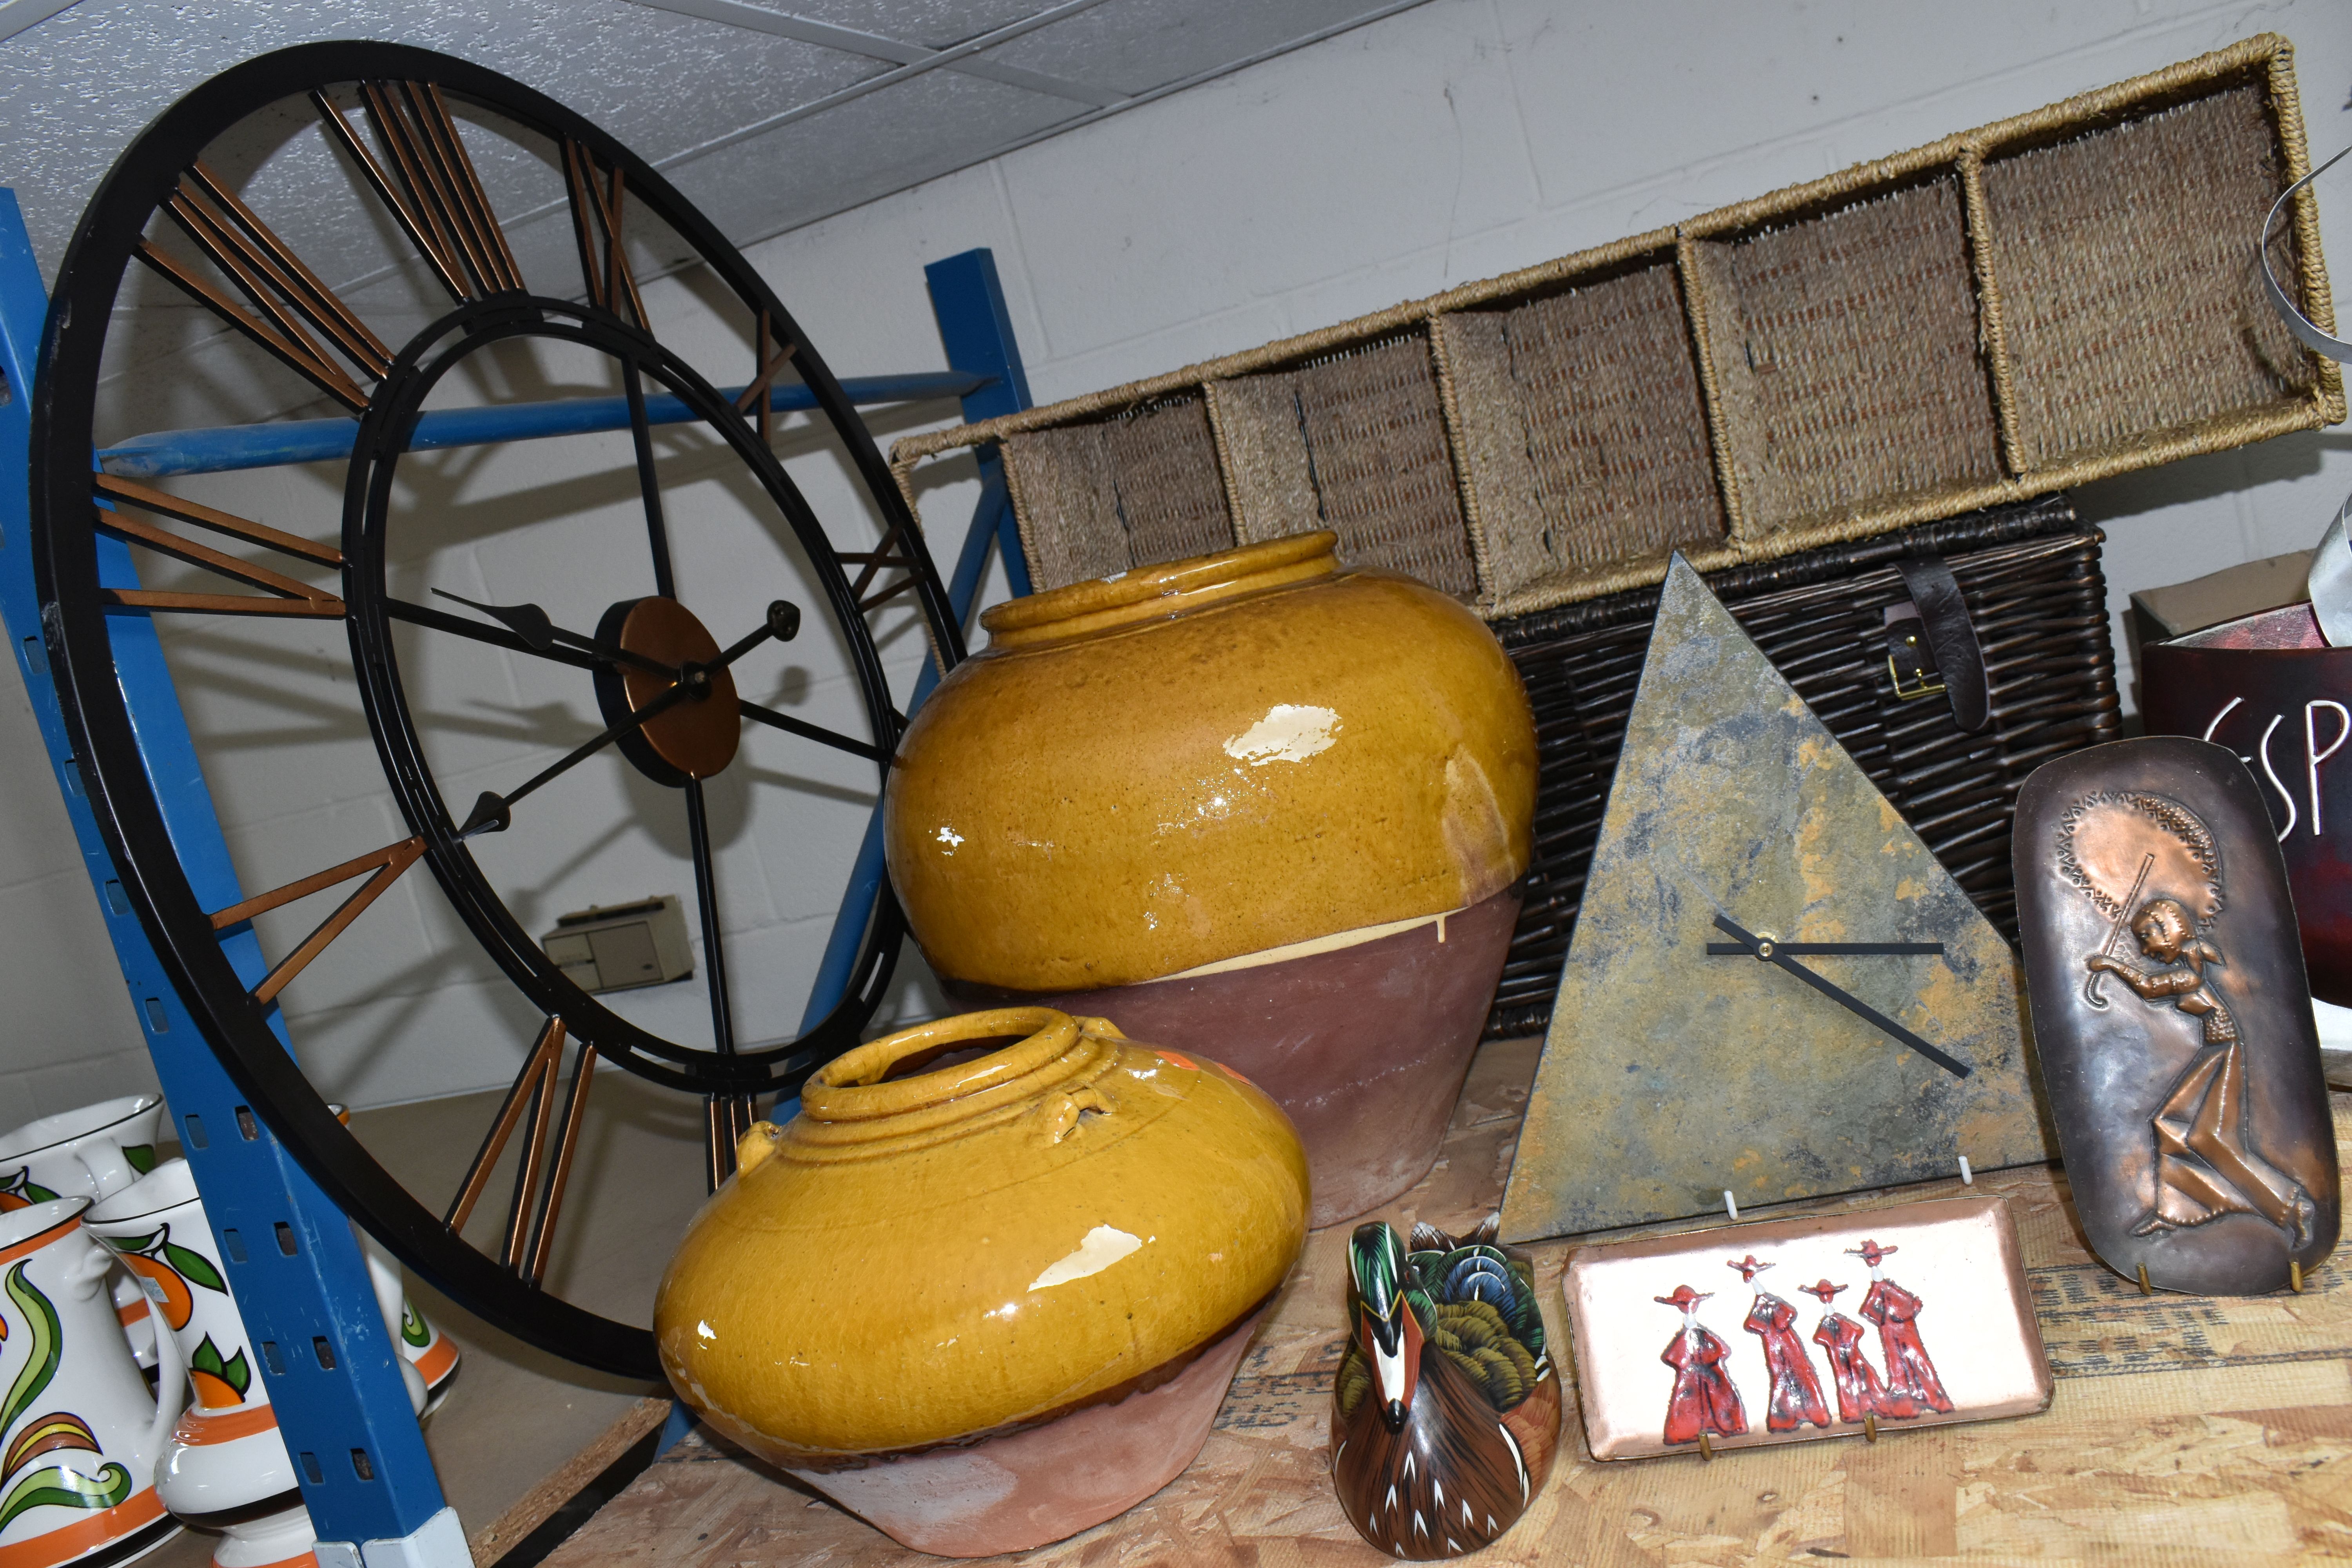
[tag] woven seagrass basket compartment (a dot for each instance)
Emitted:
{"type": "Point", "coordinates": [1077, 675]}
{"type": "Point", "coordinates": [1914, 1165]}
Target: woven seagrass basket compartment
{"type": "Point", "coordinates": [2038, 602]}
{"type": "Point", "coordinates": [2029, 305]}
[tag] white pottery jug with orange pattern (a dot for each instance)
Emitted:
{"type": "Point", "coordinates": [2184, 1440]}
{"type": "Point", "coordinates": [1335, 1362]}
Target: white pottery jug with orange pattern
{"type": "Point", "coordinates": [91, 1152]}
{"type": "Point", "coordinates": [80, 1436]}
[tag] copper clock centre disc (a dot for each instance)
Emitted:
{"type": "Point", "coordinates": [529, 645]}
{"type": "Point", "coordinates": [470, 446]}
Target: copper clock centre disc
{"type": "Point", "coordinates": [697, 736]}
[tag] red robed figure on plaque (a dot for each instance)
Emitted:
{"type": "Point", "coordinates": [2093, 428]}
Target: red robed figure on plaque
{"type": "Point", "coordinates": [1796, 1396]}
{"type": "Point", "coordinates": [1910, 1372]}
{"type": "Point", "coordinates": [1702, 1399]}
{"type": "Point", "coordinates": [1859, 1391]}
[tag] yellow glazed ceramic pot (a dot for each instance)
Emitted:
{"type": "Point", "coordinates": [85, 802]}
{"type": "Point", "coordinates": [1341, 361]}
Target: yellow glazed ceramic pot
{"type": "Point", "coordinates": [990, 1304]}
{"type": "Point", "coordinates": [1248, 804]}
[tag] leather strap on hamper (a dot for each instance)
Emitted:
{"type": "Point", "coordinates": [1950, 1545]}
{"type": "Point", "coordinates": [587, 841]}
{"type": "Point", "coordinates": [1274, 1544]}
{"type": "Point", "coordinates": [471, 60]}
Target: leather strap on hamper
{"type": "Point", "coordinates": [1945, 612]}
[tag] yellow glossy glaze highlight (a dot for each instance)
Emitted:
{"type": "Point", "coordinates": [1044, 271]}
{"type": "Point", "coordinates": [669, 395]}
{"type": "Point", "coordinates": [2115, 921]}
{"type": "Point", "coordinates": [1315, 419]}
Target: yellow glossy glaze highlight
{"type": "Point", "coordinates": [911, 1261]}
{"type": "Point", "coordinates": [1196, 762]}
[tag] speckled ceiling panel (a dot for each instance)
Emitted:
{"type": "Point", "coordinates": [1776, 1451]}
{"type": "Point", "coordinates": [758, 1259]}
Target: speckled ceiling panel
{"type": "Point", "coordinates": [681, 90]}
{"type": "Point", "coordinates": [883, 141]}
{"type": "Point", "coordinates": [1135, 45]}
{"type": "Point", "coordinates": [77, 89]}
{"type": "Point", "coordinates": [935, 23]}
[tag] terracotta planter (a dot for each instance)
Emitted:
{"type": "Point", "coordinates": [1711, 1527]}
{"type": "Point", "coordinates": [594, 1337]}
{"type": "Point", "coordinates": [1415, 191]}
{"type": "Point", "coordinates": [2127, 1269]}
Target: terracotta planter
{"type": "Point", "coordinates": [991, 1305]}
{"type": "Point", "coordinates": [1247, 805]}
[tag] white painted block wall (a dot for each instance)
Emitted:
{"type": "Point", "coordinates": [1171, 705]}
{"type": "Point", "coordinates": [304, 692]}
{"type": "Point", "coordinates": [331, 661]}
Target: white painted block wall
{"type": "Point", "coordinates": [1450, 143]}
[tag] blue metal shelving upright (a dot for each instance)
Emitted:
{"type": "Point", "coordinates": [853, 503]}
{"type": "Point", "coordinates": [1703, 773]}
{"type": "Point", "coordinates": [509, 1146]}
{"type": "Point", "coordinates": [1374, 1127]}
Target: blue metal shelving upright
{"type": "Point", "coordinates": [300, 1282]}
{"type": "Point", "coordinates": [297, 1270]}
{"type": "Point", "coordinates": [967, 302]}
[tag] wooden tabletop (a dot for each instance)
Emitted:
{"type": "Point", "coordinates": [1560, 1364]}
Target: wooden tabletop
{"type": "Point", "coordinates": [2184, 1430]}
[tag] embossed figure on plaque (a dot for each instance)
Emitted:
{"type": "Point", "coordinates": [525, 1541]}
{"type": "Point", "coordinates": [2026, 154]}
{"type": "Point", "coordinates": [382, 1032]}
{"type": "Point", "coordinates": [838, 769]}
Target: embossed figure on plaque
{"type": "Point", "coordinates": [2206, 1162]}
{"type": "Point", "coordinates": [1702, 1399]}
{"type": "Point", "coordinates": [1859, 1391]}
{"type": "Point", "coordinates": [1912, 1385]}
{"type": "Point", "coordinates": [1796, 1391]}
{"type": "Point", "coordinates": [2169, 1009]}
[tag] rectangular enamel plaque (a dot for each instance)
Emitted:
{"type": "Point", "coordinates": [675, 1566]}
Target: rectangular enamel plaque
{"type": "Point", "coordinates": [1789, 1329]}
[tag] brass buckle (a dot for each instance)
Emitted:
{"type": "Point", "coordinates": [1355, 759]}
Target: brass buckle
{"type": "Point", "coordinates": [1925, 689]}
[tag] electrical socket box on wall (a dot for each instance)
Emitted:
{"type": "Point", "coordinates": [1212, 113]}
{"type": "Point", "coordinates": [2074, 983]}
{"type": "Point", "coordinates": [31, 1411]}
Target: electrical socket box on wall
{"type": "Point", "coordinates": [617, 947]}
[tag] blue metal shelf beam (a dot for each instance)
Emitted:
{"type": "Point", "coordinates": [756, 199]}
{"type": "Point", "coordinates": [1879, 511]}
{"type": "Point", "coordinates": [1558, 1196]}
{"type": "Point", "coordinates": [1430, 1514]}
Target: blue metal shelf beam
{"type": "Point", "coordinates": [230, 446]}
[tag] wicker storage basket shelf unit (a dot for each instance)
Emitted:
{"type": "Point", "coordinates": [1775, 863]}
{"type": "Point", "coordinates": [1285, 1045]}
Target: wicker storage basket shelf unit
{"type": "Point", "coordinates": [2029, 305]}
{"type": "Point", "coordinates": [2036, 599]}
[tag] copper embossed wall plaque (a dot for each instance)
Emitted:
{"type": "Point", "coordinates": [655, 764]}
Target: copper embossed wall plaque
{"type": "Point", "coordinates": [1832, 1326]}
{"type": "Point", "coordinates": [2172, 1016]}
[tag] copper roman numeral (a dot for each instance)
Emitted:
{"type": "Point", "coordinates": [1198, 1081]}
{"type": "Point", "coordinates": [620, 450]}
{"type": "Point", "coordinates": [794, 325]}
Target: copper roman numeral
{"type": "Point", "coordinates": [430, 185]}
{"type": "Point", "coordinates": [596, 217]}
{"type": "Point", "coordinates": [538, 1189]}
{"type": "Point", "coordinates": [290, 597]}
{"type": "Point", "coordinates": [754, 397]}
{"type": "Point", "coordinates": [726, 1119]}
{"type": "Point", "coordinates": [288, 302]}
{"type": "Point", "coordinates": [872, 565]}
{"type": "Point", "coordinates": [387, 863]}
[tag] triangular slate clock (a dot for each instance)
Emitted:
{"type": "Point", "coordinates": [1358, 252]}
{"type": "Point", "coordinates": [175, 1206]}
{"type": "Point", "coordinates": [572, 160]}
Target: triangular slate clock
{"type": "Point", "coordinates": [1709, 1035]}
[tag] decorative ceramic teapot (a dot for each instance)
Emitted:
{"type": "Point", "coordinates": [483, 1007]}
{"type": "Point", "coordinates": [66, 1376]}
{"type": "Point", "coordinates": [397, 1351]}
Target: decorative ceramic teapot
{"type": "Point", "coordinates": [1247, 805]}
{"type": "Point", "coordinates": [990, 1304]}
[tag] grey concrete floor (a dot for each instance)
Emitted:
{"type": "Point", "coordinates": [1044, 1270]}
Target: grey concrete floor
{"type": "Point", "coordinates": [517, 1414]}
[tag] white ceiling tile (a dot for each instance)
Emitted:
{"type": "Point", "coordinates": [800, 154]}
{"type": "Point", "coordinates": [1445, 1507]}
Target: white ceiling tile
{"type": "Point", "coordinates": [1135, 45]}
{"type": "Point", "coordinates": [76, 90]}
{"type": "Point", "coordinates": [869, 147]}
{"type": "Point", "coordinates": [698, 98]}
{"type": "Point", "coordinates": [937, 24]}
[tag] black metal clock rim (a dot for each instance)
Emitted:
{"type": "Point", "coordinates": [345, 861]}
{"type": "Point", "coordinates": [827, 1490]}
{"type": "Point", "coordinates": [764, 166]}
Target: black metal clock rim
{"type": "Point", "coordinates": [81, 659]}
{"type": "Point", "coordinates": [152, 161]}
{"type": "Point", "coordinates": [382, 442]}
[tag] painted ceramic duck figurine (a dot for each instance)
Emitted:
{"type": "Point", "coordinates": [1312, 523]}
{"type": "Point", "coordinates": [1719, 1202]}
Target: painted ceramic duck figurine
{"type": "Point", "coordinates": [1445, 1412]}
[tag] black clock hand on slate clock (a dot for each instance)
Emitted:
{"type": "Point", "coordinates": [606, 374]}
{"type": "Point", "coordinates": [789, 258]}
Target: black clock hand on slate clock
{"type": "Point", "coordinates": [1779, 953]}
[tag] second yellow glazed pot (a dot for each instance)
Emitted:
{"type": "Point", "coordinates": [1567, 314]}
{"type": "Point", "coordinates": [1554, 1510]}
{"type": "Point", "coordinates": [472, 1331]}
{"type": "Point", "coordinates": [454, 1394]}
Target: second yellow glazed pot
{"type": "Point", "coordinates": [1247, 805]}
{"type": "Point", "coordinates": [994, 1303]}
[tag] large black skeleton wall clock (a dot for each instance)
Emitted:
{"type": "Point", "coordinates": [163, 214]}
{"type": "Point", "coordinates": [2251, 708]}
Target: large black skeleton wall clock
{"type": "Point", "coordinates": [502, 666]}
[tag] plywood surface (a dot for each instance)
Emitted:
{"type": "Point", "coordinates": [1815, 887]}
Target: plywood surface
{"type": "Point", "coordinates": [2184, 1430]}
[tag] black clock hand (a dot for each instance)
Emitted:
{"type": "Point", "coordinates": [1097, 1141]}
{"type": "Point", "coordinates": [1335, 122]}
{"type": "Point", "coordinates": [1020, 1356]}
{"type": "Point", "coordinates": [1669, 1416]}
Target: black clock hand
{"type": "Point", "coordinates": [1809, 949]}
{"type": "Point", "coordinates": [492, 812]}
{"type": "Point", "coordinates": [529, 623]}
{"type": "Point", "coordinates": [1776, 954]}
{"type": "Point", "coordinates": [783, 624]}
{"type": "Point", "coordinates": [808, 732]}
